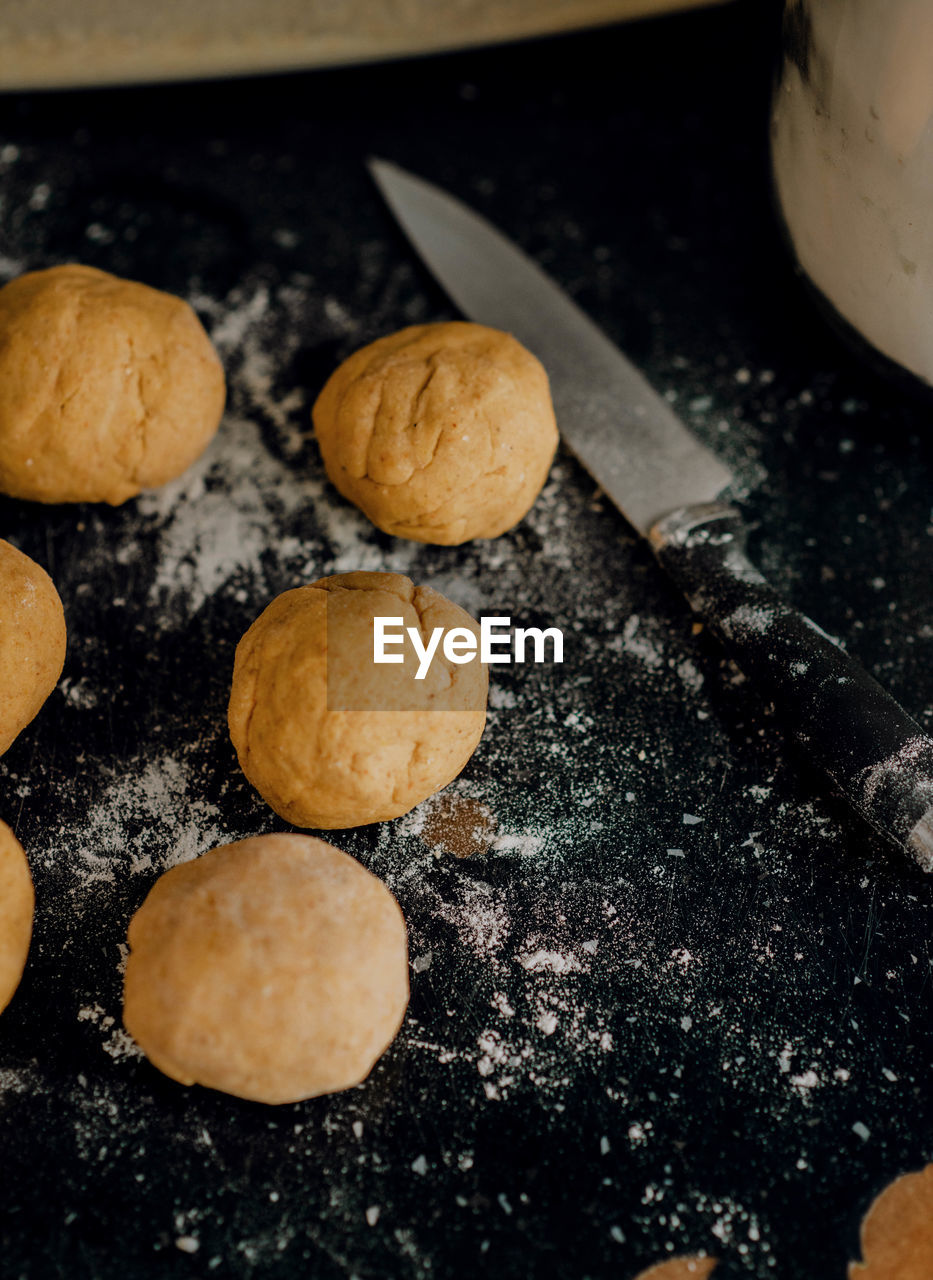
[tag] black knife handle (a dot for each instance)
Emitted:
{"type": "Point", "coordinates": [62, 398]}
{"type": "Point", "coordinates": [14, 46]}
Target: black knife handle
{"type": "Point", "coordinates": [872, 749]}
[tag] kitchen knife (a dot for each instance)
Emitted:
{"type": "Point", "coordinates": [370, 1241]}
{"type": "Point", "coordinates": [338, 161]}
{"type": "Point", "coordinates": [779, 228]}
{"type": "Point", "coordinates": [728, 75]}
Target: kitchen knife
{"type": "Point", "coordinates": [669, 487]}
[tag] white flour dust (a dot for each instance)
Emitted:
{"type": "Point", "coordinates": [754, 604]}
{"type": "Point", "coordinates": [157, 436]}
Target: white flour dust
{"type": "Point", "coordinates": [149, 817]}
{"type": "Point", "coordinates": [117, 1042]}
{"type": "Point", "coordinates": [559, 956]}
{"type": "Point", "coordinates": [225, 514]}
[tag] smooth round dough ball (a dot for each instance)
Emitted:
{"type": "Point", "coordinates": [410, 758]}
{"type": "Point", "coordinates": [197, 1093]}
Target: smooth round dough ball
{"type": "Point", "coordinates": [32, 640]}
{"type": "Point", "coordinates": [328, 737]}
{"type": "Point", "coordinates": [275, 969]}
{"type": "Point", "coordinates": [16, 910]}
{"type": "Point", "coordinates": [439, 433]}
{"type": "Point", "coordinates": [107, 387]}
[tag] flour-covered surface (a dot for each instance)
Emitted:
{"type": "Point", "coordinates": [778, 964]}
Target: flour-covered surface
{"type": "Point", "coordinates": [668, 996]}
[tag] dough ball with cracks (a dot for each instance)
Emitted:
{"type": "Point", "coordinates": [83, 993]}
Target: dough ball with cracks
{"type": "Point", "coordinates": [328, 737]}
{"type": "Point", "coordinates": [440, 433]}
{"type": "Point", "coordinates": [32, 641]}
{"type": "Point", "coordinates": [274, 969]}
{"type": "Point", "coordinates": [16, 911]}
{"type": "Point", "coordinates": [107, 387]}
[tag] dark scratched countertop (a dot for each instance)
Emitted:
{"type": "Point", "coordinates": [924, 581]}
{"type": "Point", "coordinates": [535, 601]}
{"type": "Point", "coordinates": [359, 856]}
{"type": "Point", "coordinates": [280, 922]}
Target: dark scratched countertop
{"type": "Point", "coordinates": [682, 1001]}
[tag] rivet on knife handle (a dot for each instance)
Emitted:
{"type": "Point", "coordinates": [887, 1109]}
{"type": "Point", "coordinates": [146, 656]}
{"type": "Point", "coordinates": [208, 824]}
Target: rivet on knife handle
{"type": "Point", "coordinates": [849, 726]}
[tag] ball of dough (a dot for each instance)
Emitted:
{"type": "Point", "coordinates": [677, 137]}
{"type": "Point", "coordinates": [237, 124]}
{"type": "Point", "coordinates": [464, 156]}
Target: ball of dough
{"type": "Point", "coordinates": [328, 737]}
{"type": "Point", "coordinates": [275, 969]}
{"type": "Point", "coordinates": [107, 386]}
{"type": "Point", "coordinates": [897, 1231]}
{"type": "Point", "coordinates": [440, 433]}
{"type": "Point", "coordinates": [32, 641]}
{"type": "Point", "coordinates": [16, 908]}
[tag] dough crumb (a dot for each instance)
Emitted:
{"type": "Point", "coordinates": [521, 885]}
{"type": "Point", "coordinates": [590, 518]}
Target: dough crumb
{"type": "Point", "coordinates": [680, 1269]}
{"type": "Point", "coordinates": [897, 1231]}
{"type": "Point", "coordinates": [460, 826]}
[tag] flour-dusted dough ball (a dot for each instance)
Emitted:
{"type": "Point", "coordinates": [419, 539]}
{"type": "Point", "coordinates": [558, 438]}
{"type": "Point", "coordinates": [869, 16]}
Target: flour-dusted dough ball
{"type": "Point", "coordinates": [107, 387]}
{"type": "Point", "coordinates": [275, 969]}
{"type": "Point", "coordinates": [328, 737]}
{"type": "Point", "coordinates": [16, 908]}
{"type": "Point", "coordinates": [440, 433]}
{"type": "Point", "coordinates": [32, 640]}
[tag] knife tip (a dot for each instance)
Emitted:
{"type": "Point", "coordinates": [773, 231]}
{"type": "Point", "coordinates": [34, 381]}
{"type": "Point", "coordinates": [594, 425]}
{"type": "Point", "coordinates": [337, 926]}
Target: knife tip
{"type": "Point", "coordinates": [378, 167]}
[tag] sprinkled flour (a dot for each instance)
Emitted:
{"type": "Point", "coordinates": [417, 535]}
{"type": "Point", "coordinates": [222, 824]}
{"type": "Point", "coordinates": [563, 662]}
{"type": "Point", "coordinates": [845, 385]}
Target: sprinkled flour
{"type": "Point", "coordinates": [554, 961]}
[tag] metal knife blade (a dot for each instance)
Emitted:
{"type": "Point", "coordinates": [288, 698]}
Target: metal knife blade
{"type": "Point", "coordinates": [611, 417]}
{"type": "Point", "coordinates": [667, 485]}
